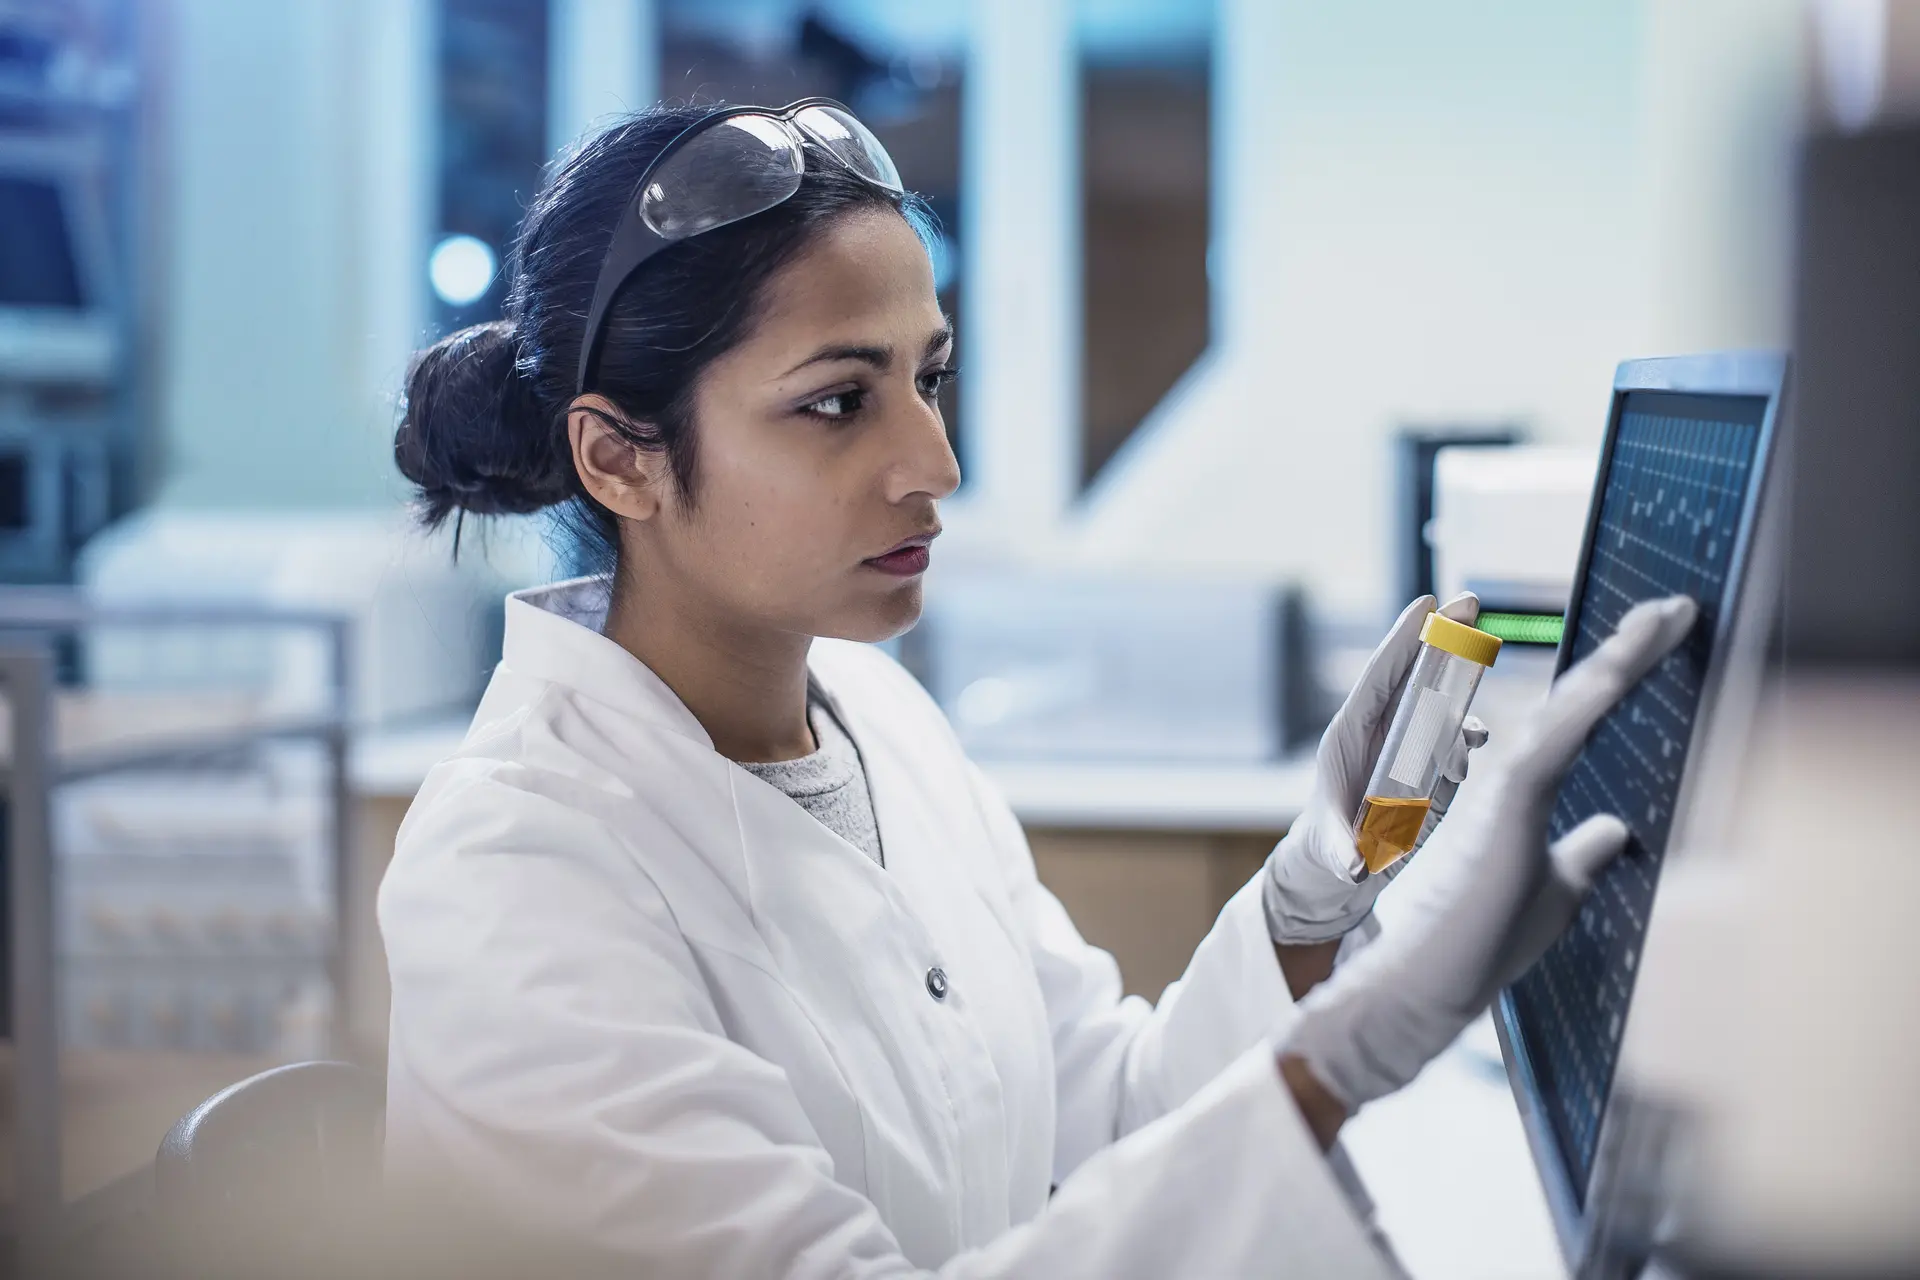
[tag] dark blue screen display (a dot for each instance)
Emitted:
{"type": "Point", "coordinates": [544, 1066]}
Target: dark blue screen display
{"type": "Point", "coordinates": [1677, 484]}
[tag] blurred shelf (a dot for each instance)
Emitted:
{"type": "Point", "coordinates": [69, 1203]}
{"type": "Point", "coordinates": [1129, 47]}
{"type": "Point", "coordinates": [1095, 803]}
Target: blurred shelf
{"type": "Point", "coordinates": [97, 733]}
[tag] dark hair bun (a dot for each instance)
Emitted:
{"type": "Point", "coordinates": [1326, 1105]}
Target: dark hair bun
{"type": "Point", "coordinates": [471, 438]}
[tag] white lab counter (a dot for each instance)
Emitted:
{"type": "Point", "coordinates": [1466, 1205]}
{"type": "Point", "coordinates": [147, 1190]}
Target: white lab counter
{"type": "Point", "coordinates": [1453, 1184]}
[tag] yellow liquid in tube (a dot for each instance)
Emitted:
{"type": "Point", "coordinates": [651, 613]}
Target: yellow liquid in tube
{"type": "Point", "coordinates": [1388, 829]}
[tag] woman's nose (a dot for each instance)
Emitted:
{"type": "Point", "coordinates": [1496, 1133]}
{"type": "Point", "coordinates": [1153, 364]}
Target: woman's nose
{"type": "Point", "coordinates": [927, 463]}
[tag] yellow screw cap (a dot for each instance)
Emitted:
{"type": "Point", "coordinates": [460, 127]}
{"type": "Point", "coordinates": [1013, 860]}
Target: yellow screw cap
{"type": "Point", "coordinates": [1460, 640]}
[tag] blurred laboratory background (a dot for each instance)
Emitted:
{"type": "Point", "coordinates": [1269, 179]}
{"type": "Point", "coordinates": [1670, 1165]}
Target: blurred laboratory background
{"type": "Point", "coordinates": [1272, 314]}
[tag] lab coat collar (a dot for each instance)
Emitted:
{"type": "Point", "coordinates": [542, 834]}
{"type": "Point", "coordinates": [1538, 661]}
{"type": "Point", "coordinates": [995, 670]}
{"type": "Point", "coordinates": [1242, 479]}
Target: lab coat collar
{"type": "Point", "coordinates": [771, 851]}
{"type": "Point", "coordinates": [553, 633]}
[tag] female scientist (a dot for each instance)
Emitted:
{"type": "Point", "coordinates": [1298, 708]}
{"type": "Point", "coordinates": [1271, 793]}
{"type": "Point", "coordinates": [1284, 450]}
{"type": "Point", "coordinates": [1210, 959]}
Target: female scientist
{"type": "Point", "coordinates": [710, 949]}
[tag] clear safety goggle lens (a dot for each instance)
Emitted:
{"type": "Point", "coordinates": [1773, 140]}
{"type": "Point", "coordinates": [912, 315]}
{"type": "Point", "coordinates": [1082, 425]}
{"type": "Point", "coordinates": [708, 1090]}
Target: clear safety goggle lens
{"type": "Point", "coordinates": [747, 164]}
{"type": "Point", "coordinates": [743, 165]}
{"type": "Point", "coordinates": [852, 142]}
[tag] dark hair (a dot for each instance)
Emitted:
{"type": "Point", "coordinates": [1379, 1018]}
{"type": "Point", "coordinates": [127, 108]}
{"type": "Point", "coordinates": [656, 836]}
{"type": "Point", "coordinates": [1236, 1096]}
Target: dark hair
{"type": "Point", "coordinates": [484, 428]}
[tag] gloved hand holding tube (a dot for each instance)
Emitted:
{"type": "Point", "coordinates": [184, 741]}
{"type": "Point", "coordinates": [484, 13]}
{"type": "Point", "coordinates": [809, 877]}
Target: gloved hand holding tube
{"type": "Point", "coordinates": [1486, 897]}
{"type": "Point", "coordinates": [1316, 888]}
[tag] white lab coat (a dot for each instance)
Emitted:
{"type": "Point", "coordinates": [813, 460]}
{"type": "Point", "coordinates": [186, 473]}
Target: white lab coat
{"type": "Point", "coordinates": [642, 997]}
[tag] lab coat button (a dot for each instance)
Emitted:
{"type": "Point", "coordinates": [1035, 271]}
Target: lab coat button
{"type": "Point", "coordinates": [937, 983]}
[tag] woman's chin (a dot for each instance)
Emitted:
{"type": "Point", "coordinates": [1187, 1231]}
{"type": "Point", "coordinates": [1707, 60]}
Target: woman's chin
{"type": "Point", "coordinates": [881, 617]}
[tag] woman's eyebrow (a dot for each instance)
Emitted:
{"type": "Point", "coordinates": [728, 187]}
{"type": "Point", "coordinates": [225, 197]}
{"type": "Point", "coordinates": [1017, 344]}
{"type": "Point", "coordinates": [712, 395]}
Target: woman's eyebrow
{"type": "Point", "coordinates": [880, 357]}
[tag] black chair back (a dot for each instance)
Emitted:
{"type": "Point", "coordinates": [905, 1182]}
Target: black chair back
{"type": "Point", "coordinates": [283, 1166]}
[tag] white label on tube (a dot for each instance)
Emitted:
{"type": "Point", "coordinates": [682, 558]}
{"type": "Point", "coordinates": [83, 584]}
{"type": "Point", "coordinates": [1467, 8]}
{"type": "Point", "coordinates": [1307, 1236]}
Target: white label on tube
{"type": "Point", "coordinates": [1431, 715]}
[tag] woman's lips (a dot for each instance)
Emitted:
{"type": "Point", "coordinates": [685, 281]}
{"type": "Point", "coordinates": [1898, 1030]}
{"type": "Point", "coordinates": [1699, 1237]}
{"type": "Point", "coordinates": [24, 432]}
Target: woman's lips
{"type": "Point", "coordinates": [903, 562]}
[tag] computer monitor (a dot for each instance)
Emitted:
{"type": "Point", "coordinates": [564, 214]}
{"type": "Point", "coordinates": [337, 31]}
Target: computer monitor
{"type": "Point", "coordinates": [1675, 508]}
{"type": "Point", "coordinates": [57, 294]}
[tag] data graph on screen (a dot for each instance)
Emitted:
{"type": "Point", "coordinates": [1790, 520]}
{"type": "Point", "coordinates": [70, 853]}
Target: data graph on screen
{"type": "Point", "coordinates": [1676, 492]}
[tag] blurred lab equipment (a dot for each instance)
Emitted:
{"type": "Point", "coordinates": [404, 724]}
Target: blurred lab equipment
{"type": "Point", "coordinates": [175, 863]}
{"type": "Point", "coordinates": [56, 277]}
{"type": "Point", "coordinates": [1507, 523]}
{"type": "Point", "coordinates": [1674, 510]}
{"type": "Point", "coordinates": [1777, 1029]}
{"type": "Point", "coordinates": [1421, 739]}
{"type": "Point", "coordinates": [1775, 1046]}
{"type": "Point", "coordinates": [1856, 542]}
{"type": "Point", "coordinates": [426, 627]}
{"type": "Point", "coordinates": [1052, 666]}
{"type": "Point", "coordinates": [194, 910]}
{"type": "Point", "coordinates": [69, 279]}
{"type": "Point", "coordinates": [1414, 452]}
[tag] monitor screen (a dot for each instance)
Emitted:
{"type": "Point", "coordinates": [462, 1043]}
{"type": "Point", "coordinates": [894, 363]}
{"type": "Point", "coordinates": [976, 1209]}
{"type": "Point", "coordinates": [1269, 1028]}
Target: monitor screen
{"type": "Point", "coordinates": [37, 266]}
{"type": "Point", "coordinates": [1676, 489]}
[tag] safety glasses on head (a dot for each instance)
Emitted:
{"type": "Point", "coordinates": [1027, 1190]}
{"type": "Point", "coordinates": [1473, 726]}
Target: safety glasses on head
{"type": "Point", "coordinates": [723, 168]}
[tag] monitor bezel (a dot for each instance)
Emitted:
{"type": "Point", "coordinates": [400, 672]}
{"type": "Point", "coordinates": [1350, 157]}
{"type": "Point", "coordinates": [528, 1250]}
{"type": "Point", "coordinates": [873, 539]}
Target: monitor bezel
{"type": "Point", "coordinates": [1763, 374]}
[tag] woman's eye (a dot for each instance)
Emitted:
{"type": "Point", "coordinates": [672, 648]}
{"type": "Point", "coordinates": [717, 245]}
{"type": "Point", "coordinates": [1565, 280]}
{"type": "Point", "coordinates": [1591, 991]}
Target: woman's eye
{"type": "Point", "coordinates": [840, 404]}
{"type": "Point", "coordinates": [933, 379]}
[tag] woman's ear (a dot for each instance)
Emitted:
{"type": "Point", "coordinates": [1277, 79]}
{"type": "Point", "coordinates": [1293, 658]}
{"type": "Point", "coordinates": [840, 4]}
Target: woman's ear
{"type": "Point", "coordinates": [622, 477]}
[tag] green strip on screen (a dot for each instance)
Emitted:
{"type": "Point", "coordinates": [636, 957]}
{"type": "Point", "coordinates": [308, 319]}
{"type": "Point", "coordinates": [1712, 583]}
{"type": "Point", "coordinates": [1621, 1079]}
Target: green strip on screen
{"type": "Point", "coordinates": [1523, 628]}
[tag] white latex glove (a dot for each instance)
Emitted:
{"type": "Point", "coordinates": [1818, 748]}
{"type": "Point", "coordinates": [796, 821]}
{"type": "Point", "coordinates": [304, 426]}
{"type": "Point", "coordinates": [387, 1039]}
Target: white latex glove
{"type": "Point", "coordinates": [1489, 895]}
{"type": "Point", "coordinates": [1317, 887]}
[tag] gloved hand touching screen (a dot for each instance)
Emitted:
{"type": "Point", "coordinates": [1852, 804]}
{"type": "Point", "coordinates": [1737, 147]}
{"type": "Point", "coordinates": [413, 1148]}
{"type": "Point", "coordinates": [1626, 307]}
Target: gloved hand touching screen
{"type": "Point", "coordinates": [1488, 895]}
